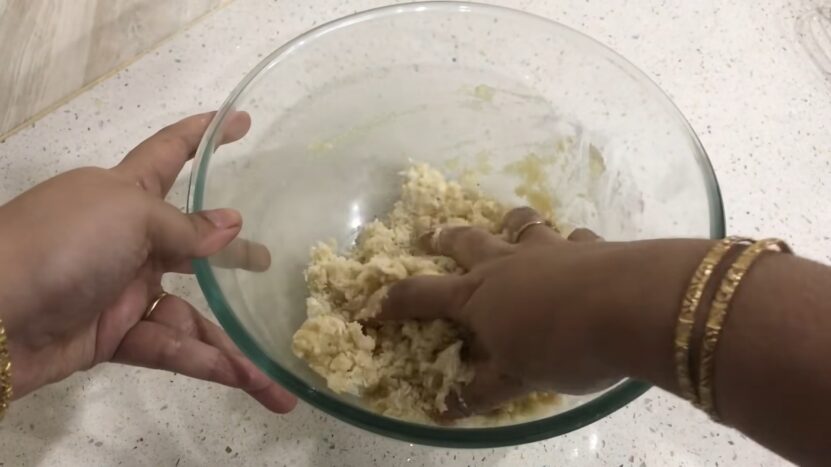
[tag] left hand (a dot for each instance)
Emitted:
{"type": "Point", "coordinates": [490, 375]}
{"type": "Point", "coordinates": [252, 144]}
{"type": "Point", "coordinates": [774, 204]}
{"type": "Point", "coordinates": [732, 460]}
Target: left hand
{"type": "Point", "coordinates": [82, 256]}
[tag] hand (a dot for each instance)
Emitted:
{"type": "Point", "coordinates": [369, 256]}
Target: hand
{"type": "Point", "coordinates": [82, 256]}
{"type": "Point", "coordinates": [545, 313]}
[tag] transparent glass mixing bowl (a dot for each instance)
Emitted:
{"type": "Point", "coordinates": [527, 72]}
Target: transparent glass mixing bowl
{"type": "Point", "coordinates": [338, 112]}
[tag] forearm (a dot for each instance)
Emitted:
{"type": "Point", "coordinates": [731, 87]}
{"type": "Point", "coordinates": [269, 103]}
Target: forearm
{"type": "Point", "coordinates": [651, 278]}
{"type": "Point", "coordinates": [772, 373]}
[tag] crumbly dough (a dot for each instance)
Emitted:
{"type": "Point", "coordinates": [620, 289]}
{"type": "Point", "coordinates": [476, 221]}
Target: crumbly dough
{"type": "Point", "coordinates": [403, 370]}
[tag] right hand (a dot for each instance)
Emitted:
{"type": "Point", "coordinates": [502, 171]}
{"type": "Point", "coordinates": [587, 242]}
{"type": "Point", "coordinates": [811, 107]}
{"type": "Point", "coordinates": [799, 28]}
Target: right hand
{"type": "Point", "coordinates": [544, 313]}
{"type": "Point", "coordinates": [532, 324]}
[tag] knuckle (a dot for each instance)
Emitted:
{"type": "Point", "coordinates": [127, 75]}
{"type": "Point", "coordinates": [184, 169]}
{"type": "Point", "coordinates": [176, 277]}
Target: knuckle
{"type": "Point", "coordinates": [582, 233]}
{"type": "Point", "coordinates": [516, 217]}
{"type": "Point", "coordinates": [220, 370]}
{"type": "Point", "coordinates": [189, 328]}
{"type": "Point", "coordinates": [170, 350]}
{"type": "Point", "coordinates": [149, 184]}
{"type": "Point", "coordinates": [462, 234]}
{"type": "Point", "coordinates": [450, 236]}
{"type": "Point", "coordinates": [173, 142]}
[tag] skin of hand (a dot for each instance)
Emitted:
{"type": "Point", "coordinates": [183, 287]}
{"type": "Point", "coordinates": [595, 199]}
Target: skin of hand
{"type": "Point", "coordinates": [82, 256]}
{"type": "Point", "coordinates": [539, 311]}
{"type": "Point", "coordinates": [573, 315]}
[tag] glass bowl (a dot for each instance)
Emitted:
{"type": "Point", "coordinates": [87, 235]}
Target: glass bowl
{"type": "Point", "coordinates": [339, 111]}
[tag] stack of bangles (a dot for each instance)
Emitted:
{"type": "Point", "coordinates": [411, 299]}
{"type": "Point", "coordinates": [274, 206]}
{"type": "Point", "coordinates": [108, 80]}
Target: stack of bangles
{"type": "Point", "coordinates": [695, 370]}
{"type": "Point", "coordinates": [5, 373]}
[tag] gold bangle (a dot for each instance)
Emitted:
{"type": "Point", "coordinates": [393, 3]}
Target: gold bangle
{"type": "Point", "coordinates": [718, 314]}
{"type": "Point", "coordinates": [5, 373]}
{"type": "Point", "coordinates": [689, 305]}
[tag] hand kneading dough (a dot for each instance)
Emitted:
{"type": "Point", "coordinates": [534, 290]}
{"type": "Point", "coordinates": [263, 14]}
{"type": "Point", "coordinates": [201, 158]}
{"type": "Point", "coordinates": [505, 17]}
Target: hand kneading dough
{"type": "Point", "coordinates": [402, 370]}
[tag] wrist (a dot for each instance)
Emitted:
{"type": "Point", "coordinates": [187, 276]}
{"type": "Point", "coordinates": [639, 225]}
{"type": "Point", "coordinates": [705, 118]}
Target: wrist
{"type": "Point", "coordinates": [23, 356]}
{"type": "Point", "coordinates": [14, 310]}
{"type": "Point", "coordinates": [640, 322]}
{"type": "Point", "coordinates": [11, 306]}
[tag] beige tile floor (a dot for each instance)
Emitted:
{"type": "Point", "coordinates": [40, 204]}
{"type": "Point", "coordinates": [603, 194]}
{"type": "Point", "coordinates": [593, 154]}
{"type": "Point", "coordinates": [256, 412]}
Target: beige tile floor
{"type": "Point", "coordinates": [50, 49]}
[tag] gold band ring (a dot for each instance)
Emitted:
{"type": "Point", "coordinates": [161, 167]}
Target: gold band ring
{"type": "Point", "coordinates": [518, 234]}
{"type": "Point", "coordinates": [154, 304]}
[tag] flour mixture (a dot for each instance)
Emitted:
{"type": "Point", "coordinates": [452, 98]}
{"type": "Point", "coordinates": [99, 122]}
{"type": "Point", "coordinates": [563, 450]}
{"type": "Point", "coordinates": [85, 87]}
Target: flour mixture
{"type": "Point", "coordinates": [402, 370]}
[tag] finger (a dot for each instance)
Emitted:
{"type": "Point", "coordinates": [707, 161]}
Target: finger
{"type": "Point", "coordinates": [583, 235]}
{"type": "Point", "coordinates": [525, 225]}
{"type": "Point", "coordinates": [176, 237]}
{"type": "Point", "coordinates": [177, 314]}
{"type": "Point", "coordinates": [180, 315]}
{"type": "Point", "coordinates": [243, 254]}
{"type": "Point", "coordinates": [467, 245]}
{"type": "Point", "coordinates": [489, 389]}
{"type": "Point", "coordinates": [427, 297]}
{"type": "Point", "coordinates": [157, 161]}
{"type": "Point", "coordinates": [153, 345]}
{"type": "Point", "coordinates": [239, 254]}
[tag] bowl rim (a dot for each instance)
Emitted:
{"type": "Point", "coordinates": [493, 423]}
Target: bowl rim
{"type": "Point", "coordinates": [554, 425]}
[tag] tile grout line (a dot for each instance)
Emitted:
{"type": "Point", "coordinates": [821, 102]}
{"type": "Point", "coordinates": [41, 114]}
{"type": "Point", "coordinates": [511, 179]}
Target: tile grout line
{"type": "Point", "coordinates": [109, 74]}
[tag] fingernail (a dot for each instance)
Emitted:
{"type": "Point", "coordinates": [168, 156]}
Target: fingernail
{"type": "Point", "coordinates": [223, 218]}
{"type": "Point", "coordinates": [429, 241]}
{"type": "Point", "coordinates": [373, 305]}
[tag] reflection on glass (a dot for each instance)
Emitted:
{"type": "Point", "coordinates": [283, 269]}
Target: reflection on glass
{"type": "Point", "coordinates": [355, 220]}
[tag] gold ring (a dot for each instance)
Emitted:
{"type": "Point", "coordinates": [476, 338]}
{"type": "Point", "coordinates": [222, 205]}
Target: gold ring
{"type": "Point", "coordinates": [154, 304]}
{"type": "Point", "coordinates": [528, 225]}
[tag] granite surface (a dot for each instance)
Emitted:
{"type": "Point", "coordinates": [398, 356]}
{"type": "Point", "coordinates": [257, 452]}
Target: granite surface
{"type": "Point", "coordinates": [735, 69]}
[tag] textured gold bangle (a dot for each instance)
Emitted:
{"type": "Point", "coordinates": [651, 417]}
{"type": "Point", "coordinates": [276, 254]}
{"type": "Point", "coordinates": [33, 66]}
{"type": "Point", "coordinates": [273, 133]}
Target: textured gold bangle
{"type": "Point", "coordinates": [718, 314]}
{"type": "Point", "coordinates": [5, 373]}
{"type": "Point", "coordinates": [689, 305]}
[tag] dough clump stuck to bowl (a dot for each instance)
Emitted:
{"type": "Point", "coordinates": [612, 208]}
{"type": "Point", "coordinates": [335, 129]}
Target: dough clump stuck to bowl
{"type": "Point", "coordinates": [402, 370]}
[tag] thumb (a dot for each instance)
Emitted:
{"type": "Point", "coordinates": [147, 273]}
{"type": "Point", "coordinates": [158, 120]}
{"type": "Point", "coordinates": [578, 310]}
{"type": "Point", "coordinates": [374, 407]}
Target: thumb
{"type": "Point", "coordinates": [489, 389]}
{"type": "Point", "coordinates": [175, 236]}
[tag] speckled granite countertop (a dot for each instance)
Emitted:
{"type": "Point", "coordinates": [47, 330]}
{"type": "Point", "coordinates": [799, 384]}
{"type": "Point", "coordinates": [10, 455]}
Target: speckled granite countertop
{"type": "Point", "coordinates": [735, 69]}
